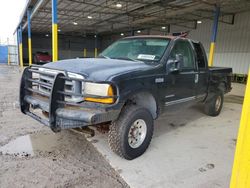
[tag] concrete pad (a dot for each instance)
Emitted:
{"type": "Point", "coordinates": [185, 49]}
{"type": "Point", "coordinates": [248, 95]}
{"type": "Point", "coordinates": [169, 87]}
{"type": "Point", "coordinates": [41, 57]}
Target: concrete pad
{"type": "Point", "coordinates": [238, 89]}
{"type": "Point", "coordinates": [188, 149]}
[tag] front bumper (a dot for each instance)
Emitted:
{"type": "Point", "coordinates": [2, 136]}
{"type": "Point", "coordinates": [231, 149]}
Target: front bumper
{"type": "Point", "coordinates": [53, 110]}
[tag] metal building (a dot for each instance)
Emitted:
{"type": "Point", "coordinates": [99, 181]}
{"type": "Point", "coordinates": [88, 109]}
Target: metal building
{"type": "Point", "coordinates": [86, 27]}
{"type": "Point", "coordinates": [233, 42]}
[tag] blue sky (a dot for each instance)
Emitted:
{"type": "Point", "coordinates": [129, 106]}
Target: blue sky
{"type": "Point", "coordinates": [10, 12]}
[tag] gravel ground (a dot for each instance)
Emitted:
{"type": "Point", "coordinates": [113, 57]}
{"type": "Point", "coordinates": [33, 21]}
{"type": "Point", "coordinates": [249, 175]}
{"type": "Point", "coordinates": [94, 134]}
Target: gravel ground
{"type": "Point", "coordinates": [32, 156]}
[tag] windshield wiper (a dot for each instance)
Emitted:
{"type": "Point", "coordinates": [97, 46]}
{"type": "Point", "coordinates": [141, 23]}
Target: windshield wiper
{"type": "Point", "coordinates": [106, 57]}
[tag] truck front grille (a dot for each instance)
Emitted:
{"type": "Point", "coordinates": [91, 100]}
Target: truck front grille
{"type": "Point", "coordinates": [70, 86]}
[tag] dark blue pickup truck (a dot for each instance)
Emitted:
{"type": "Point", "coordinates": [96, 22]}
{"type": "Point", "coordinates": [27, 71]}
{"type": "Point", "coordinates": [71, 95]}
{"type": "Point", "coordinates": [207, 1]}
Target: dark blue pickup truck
{"type": "Point", "coordinates": [128, 86]}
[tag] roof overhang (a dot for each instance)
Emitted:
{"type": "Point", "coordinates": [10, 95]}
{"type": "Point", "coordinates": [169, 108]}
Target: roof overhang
{"type": "Point", "coordinates": [104, 16]}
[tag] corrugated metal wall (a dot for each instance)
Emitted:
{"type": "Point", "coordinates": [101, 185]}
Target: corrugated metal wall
{"type": "Point", "coordinates": [233, 42]}
{"type": "Point", "coordinates": [13, 55]}
{"type": "Point", "coordinates": [232, 46]}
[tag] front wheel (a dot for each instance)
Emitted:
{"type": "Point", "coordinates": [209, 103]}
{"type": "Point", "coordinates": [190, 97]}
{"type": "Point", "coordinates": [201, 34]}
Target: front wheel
{"type": "Point", "coordinates": [131, 133]}
{"type": "Point", "coordinates": [214, 105]}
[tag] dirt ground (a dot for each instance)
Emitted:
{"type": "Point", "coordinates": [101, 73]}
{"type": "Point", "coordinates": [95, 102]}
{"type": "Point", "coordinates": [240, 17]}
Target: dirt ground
{"type": "Point", "coordinates": [32, 156]}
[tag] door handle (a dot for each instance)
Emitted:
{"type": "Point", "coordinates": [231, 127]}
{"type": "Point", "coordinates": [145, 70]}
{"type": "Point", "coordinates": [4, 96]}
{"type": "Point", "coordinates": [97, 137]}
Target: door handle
{"type": "Point", "coordinates": [196, 78]}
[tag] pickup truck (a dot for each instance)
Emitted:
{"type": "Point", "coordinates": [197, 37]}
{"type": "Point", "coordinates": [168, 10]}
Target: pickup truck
{"type": "Point", "coordinates": [131, 83]}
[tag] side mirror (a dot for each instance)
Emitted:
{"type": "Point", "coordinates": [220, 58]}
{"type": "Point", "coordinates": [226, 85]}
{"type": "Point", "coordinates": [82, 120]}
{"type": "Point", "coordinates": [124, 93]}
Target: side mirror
{"type": "Point", "coordinates": [174, 65]}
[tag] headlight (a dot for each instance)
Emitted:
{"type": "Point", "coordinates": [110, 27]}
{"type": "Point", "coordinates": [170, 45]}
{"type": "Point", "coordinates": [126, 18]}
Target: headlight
{"type": "Point", "coordinates": [102, 90]}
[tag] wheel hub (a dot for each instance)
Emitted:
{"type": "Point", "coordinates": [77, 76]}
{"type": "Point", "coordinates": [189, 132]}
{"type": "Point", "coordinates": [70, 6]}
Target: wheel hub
{"type": "Point", "coordinates": [137, 133]}
{"type": "Point", "coordinates": [218, 103]}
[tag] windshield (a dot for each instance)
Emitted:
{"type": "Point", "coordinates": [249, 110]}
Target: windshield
{"type": "Point", "coordinates": [137, 49]}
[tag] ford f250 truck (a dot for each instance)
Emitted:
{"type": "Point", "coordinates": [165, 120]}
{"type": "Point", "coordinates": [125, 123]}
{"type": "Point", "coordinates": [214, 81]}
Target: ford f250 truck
{"type": "Point", "coordinates": [130, 84]}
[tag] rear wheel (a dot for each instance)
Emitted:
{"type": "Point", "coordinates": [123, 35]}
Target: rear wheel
{"type": "Point", "coordinates": [214, 105]}
{"type": "Point", "coordinates": [131, 133]}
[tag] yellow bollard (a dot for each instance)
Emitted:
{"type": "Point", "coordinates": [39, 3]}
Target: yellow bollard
{"type": "Point", "coordinates": [241, 168]}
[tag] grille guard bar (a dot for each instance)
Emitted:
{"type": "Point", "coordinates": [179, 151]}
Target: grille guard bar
{"type": "Point", "coordinates": [56, 97]}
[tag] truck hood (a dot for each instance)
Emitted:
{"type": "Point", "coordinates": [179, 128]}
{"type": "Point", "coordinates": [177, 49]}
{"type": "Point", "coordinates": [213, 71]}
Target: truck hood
{"type": "Point", "coordinates": [98, 69]}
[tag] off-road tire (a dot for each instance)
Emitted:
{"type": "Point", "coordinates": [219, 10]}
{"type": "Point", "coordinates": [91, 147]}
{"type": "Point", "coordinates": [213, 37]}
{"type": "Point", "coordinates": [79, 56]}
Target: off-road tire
{"type": "Point", "coordinates": [210, 104]}
{"type": "Point", "coordinates": [119, 130]}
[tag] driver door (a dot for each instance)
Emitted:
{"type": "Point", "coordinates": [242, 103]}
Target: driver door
{"type": "Point", "coordinates": [181, 83]}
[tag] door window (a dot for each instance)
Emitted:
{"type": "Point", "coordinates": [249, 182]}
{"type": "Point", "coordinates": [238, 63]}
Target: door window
{"type": "Point", "coordinates": [201, 57]}
{"type": "Point", "coordinates": [184, 50]}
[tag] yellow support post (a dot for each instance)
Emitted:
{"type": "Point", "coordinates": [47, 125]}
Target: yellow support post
{"type": "Point", "coordinates": [54, 42]}
{"type": "Point", "coordinates": [21, 54]}
{"type": "Point", "coordinates": [20, 45]}
{"type": "Point", "coordinates": [211, 54]}
{"type": "Point", "coordinates": [30, 51]}
{"type": "Point", "coordinates": [84, 52]}
{"type": "Point", "coordinates": [95, 52]}
{"type": "Point", "coordinates": [8, 55]}
{"type": "Point", "coordinates": [29, 37]}
{"type": "Point", "coordinates": [241, 168]}
{"type": "Point", "coordinates": [214, 35]}
{"type": "Point", "coordinates": [54, 31]}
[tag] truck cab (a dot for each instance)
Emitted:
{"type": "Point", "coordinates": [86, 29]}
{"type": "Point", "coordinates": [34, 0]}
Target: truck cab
{"type": "Point", "coordinates": [130, 84]}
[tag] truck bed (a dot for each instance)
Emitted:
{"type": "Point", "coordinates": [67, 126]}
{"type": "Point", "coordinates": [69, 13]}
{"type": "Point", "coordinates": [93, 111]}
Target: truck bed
{"type": "Point", "coordinates": [220, 70]}
{"type": "Point", "coordinates": [220, 75]}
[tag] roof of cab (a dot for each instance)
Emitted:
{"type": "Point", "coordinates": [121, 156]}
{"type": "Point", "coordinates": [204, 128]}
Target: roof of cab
{"type": "Point", "coordinates": [162, 37]}
{"type": "Point", "coordinates": [154, 36]}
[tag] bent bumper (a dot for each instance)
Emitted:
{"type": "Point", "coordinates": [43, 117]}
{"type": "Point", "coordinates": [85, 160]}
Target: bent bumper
{"type": "Point", "coordinates": [54, 111]}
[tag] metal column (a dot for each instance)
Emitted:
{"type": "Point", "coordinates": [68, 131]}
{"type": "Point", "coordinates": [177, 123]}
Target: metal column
{"type": "Point", "coordinates": [54, 31]}
{"type": "Point", "coordinates": [20, 45]}
{"type": "Point", "coordinates": [29, 36]}
{"type": "Point", "coordinates": [95, 46]}
{"type": "Point", "coordinates": [241, 167]}
{"type": "Point", "coordinates": [17, 37]}
{"type": "Point", "coordinates": [84, 52]}
{"type": "Point", "coordinates": [214, 35]}
{"type": "Point", "coordinates": [8, 55]}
